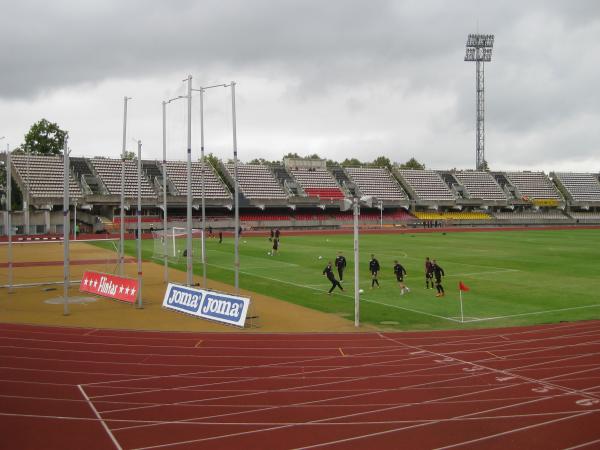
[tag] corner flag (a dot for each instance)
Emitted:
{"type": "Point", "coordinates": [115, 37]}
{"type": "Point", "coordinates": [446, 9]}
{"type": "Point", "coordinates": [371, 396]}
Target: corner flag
{"type": "Point", "coordinates": [463, 287]}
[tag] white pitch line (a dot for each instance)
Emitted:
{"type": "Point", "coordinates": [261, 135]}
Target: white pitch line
{"type": "Point", "coordinates": [306, 286]}
{"type": "Point", "coordinates": [112, 437]}
{"type": "Point", "coordinates": [533, 313]}
{"type": "Point", "coordinates": [585, 444]}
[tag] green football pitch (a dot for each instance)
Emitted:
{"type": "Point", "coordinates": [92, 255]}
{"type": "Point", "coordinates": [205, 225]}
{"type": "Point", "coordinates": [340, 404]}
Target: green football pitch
{"type": "Point", "coordinates": [515, 277]}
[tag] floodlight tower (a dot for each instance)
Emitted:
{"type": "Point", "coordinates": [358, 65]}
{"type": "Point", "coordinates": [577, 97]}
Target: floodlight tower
{"type": "Point", "coordinates": [479, 49]}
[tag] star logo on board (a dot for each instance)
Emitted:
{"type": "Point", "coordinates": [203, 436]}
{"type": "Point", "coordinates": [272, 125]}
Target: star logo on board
{"type": "Point", "coordinates": [132, 291]}
{"type": "Point", "coordinates": [121, 289]}
{"type": "Point", "coordinates": [85, 282]}
{"type": "Point", "coordinates": [127, 291]}
{"type": "Point", "coordinates": [95, 283]}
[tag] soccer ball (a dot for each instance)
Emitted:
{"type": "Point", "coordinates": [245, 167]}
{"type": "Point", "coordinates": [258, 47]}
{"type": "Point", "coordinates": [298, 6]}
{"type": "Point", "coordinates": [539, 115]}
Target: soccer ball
{"type": "Point", "coordinates": [361, 291]}
{"type": "Point", "coordinates": [268, 253]}
{"type": "Point", "coordinates": [245, 242]}
{"type": "Point", "coordinates": [320, 257]}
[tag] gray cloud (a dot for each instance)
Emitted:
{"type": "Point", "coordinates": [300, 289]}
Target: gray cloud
{"type": "Point", "coordinates": [357, 63]}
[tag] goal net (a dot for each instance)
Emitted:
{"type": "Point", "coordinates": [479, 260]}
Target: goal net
{"type": "Point", "coordinates": [176, 244]}
{"type": "Point", "coordinates": [37, 262]}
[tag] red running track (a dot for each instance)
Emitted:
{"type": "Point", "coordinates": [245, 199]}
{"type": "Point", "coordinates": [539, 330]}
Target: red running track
{"type": "Point", "coordinates": [73, 388]}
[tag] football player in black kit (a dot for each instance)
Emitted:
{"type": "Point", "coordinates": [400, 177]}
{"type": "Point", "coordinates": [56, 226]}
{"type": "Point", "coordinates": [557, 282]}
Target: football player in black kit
{"type": "Point", "coordinates": [374, 269]}
{"type": "Point", "coordinates": [328, 271]}
{"type": "Point", "coordinates": [340, 263]}
{"type": "Point", "coordinates": [400, 272]}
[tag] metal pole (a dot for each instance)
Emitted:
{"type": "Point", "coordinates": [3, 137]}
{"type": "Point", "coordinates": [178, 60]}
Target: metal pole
{"type": "Point", "coordinates": [9, 218]}
{"type": "Point", "coordinates": [380, 214]}
{"type": "Point", "coordinates": [356, 267]}
{"type": "Point", "coordinates": [139, 224]}
{"type": "Point", "coordinates": [75, 221]}
{"type": "Point", "coordinates": [27, 227]}
{"type": "Point", "coordinates": [462, 317]}
{"type": "Point", "coordinates": [203, 192]}
{"type": "Point", "coordinates": [66, 223]}
{"type": "Point", "coordinates": [236, 189]}
{"type": "Point", "coordinates": [164, 181]}
{"type": "Point", "coordinates": [190, 276]}
{"type": "Point", "coordinates": [122, 215]}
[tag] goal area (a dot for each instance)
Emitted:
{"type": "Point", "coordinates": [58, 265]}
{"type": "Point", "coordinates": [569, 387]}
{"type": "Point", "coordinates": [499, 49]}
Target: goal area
{"type": "Point", "coordinates": [172, 242]}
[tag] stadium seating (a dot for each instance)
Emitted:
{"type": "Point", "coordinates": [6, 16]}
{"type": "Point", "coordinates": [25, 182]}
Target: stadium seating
{"type": "Point", "coordinates": [45, 176]}
{"type": "Point", "coordinates": [377, 182]}
{"type": "Point", "coordinates": [533, 185]}
{"type": "Point", "coordinates": [531, 215]}
{"type": "Point", "coordinates": [318, 183]}
{"type": "Point", "coordinates": [581, 187]}
{"type": "Point", "coordinates": [480, 185]}
{"type": "Point", "coordinates": [579, 215]}
{"type": "Point", "coordinates": [256, 181]}
{"type": "Point", "coordinates": [459, 215]}
{"type": "Point", "coordinates": [213, 186]}
{"type": "Point", "coordinates": [109, 172]}
{"type": "Point", "coordinates": [427, 184]}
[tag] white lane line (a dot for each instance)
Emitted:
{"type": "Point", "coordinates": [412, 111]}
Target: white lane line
{"type": "Point", "coordinates": [97, 414]}
{"type": "Point", "coordinates": [515, 430]}
{"type": "Point", "coordinates": [585, 444]}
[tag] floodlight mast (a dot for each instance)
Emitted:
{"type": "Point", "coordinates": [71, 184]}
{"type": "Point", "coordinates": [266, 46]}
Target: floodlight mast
{"type": "Point", "coordinates": [479, 49]}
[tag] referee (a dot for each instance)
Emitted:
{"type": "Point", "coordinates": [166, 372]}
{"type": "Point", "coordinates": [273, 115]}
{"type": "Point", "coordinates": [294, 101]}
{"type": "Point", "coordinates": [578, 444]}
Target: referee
{"type": "Point", "coordinates": [340, 263]}
{"type": "Point", "coordinates": [328, 271]}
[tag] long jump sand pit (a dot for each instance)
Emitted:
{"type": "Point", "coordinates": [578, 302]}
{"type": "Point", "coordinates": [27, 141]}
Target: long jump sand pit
{"type": "Point", "coordinates": [43, 262]}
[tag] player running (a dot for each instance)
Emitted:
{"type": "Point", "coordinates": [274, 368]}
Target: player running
{"type": "Point", "coordinates": [428, 273]}
{"type": "Point", "coordinates": [328, 271]}
{"type": "Point", "coordinates": [400, 272]}
{"type": "Point", "coordinates": [438, 273]}
{"type": "Point", "coordinates": [374, 269]}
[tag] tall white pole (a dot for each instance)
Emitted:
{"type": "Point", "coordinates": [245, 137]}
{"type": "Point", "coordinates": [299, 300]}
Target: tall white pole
{"type": "Point", "coordinates": [380, 214]}
{"type": "Point", "coordinates": [139, 224]}
{"type": "Point", "coordinates": [66, 223]}
{"type": "Point", "coordinates": [356, 266]}
{"type": "Point", "coordinates": [203, 193]}
{"type": "Point", "coordinates": [462, 318]}
{"type": "Point", "coordinates": [75, 221]}
{"type": "Point", "coordinates": [164, 181]}
{"type": "Point", "coordinates": [190, 276]}
{"type": "Point", "coordinates": [122, 229]}
{"type": "Point", "coordinates": [26, 218]}
{"type": "Point", "coordinates": [9, 218]}
{"type": "Point", "coordinates": [236, 189]}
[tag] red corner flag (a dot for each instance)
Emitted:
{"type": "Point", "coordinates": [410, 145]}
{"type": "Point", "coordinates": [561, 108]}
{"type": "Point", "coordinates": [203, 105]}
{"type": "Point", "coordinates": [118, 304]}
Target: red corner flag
{"type": "Point", "coordinates": [462, 286]}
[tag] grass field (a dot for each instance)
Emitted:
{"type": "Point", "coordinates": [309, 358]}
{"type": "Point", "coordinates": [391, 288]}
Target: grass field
{"type": "Point", "coordinates": [516, 277]}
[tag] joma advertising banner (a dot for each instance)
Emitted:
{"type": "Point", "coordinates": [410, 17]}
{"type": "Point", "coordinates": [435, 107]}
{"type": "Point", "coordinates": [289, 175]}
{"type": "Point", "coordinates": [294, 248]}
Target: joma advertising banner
{"type": "Point", "coordinates": [210, 305]}
{"type": "Point", "coordinates": [112, 286]}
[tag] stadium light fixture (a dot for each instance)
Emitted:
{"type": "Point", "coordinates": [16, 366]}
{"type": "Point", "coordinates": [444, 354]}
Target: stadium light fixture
{"type": "Point", "coordinates": [202, 163]}
{"type": "Point", "coordinates": [122, 205]}
{"type": "Point", "coordinates": [479, 49]}
{"type": "Point", "coordinates": [164, 182]}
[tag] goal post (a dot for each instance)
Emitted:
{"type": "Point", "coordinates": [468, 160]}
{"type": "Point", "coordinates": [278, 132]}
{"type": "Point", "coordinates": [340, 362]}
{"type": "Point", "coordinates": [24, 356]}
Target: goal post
{"type": "Point", "coordinates": [175, 247]}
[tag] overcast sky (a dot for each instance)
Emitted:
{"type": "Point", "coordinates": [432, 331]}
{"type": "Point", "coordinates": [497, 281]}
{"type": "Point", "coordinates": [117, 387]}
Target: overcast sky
{"type": "Point", "coordinates": [340, 78]}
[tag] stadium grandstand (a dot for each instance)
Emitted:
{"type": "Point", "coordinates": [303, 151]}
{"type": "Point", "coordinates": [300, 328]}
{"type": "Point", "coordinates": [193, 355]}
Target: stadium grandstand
{"type": "Point", "coordinates": [297, 193]}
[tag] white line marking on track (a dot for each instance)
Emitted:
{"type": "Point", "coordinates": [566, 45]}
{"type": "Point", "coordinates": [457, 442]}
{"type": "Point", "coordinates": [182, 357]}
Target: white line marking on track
{"type": "Point", "coordinates": [515, 430]}
{"type": "Point", "coordinates": [97, 414]}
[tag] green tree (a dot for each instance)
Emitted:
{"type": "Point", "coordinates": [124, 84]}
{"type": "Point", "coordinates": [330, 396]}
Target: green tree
{"type": "Point", "coordinates": [412, 163]}
{"type": "Point", "coordinates": [44, 138]}
{"type": "Point", "coordinates": [484, 166]}
{"type": "Point", "coordinates": [382, 161]}
{"type": "Point", "coordinates": [351, 162]}
{"type": "Point", "coordinates": [130, 155]}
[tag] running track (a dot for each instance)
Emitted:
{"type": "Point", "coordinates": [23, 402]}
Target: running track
{"type": "Point", "coordinates": [73, 388]}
